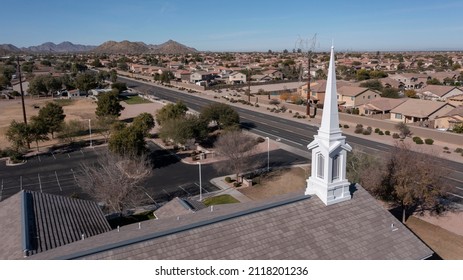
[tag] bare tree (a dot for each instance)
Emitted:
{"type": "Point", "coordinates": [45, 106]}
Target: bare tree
{"type": "Point", "coordinates": [116, 181]}
{"type": "Point", "coordinates": [365, 169]}
{"type": "Point", "coordinates": [413, 181]}
{"type": "Point", "coordinates": [238, 148]}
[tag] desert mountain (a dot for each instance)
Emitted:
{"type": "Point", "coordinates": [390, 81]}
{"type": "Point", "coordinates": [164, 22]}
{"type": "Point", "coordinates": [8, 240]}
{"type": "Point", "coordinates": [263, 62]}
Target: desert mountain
{"type": "Point", "coordinates": [124, 47]}
{"type": "Point", "coordinates": [64, 47]}
{"type": "Point", "coordinates": [171, 47]}
{"type": "Point", "coordinates": [8, 49]}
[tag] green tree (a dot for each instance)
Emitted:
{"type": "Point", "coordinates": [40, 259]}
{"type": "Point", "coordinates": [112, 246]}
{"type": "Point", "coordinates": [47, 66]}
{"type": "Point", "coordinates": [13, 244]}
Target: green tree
{"type": "Point", "coordinates": [104, 125]}
{"type": "Point", "coordinates": [456, 66]}
{"type": "Point", "coordinates": [127, 141]}
{"type": "Point", "coordinates": [180, 130]}
{"type": "Point", "coordinates": [433, 81]}
{"type": "Point", "coordinates": [18, 135]}
{"type": "Point", "coordinates": [53, 84]}
{"type": "Point", "coordinates": [86, 81]}
{"type": "Point", "coordinates": [4, 82]}
{"type": "Point", "coordinates": [458, 128]}
{"type": "Point", "coordinates": [52, 115]}
{"type": "Point", "coordinates": [224, 115]}
{"type": "Point", "coordinates": [113, 76]}
{"type": "Point", "coordinates": [390, 93]}
{"type": "Point", "coordinates": [171, 111]}
{"type": "Point", "coordinates": [108, 104]}
{"type": "Point", "coordinates": [119, 86]}
{"type": "Point", "coordinates": [38, 131]}
{"type": "Point", "coordinates": [373, 85]}
{"type": "Point", "coordinates": [96, 63]}
{"type": "Point", "coordinates": [38, 85]}
{"type": "Point", "coordinates": [363, 74]}
{"type": "Point", "coordinates": [144, 122]}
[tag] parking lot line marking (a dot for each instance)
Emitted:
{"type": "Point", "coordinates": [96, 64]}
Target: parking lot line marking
{"type": "Point", "coordinates": [69, 156]}
{"type": "Point", "coordinates": [39, 158]}
{"type": "Point", "coordinates": [1, 191]}
{"type": "Point", "coordinates": [53, 155]}
{"type": "Point", "coordinates": [75, 179]}
{"type": "Point", "coordinates": [202, 188]}
{"type": "Point", "coordinates": [184, 190]}
{"type": "Point", "coordinates": [40, 182]}
{"type": "Point", "coordinates": [57, 180]}
{"type": "Point", "coordinates": [21, 182]}
{"type": "Point", "coordinates": [81, 151]}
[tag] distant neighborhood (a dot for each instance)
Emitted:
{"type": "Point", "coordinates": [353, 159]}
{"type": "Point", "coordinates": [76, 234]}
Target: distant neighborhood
{"type": "Point", "coordinates": [421, 88]}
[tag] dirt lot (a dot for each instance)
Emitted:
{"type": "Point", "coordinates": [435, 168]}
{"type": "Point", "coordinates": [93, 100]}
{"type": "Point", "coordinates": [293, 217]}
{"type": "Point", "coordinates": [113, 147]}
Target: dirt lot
{"type": "Point", "coordinates": [81, 109]}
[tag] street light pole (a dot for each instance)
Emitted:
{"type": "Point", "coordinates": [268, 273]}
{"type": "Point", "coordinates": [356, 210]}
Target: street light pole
{"type": "Point", "coordinates": [200, 183]}
{"type": "Point", "coordinates": [268, 154]}
{"type": "Point", "coordinates": [90, 132]}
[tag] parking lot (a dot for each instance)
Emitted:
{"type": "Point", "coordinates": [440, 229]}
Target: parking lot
{"type": "Point", "coordinates": [57, 173]}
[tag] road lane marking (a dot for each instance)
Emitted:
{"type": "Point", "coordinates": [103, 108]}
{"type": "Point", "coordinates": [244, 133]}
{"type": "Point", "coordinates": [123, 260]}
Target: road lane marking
{"type": "Point", "coordinates": [40, 182]}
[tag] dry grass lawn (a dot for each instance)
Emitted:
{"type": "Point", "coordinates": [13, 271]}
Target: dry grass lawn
{"type": "Point", "coordinates": [279, 182]}
{"type": "Point", "coordinates": [446, 244]}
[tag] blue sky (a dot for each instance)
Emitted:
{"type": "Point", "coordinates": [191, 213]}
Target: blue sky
{"type": "Point", "coordinates": [237, 25]}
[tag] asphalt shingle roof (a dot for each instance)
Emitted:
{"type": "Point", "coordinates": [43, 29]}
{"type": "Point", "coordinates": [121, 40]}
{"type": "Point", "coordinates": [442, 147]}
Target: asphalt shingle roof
{"type": "Point", "coordinates": [299, 227]}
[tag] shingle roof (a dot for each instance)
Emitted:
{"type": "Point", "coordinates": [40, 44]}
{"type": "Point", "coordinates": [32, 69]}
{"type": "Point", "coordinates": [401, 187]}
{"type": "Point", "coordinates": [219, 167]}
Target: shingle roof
{"type": "Point", "coordinates": [299, 227]}
{"type": "Point", "coordinates": [438, 90]}
{"type": "Point", "coordinates": [384, 104]}
{"type": "Point", "coordinates": [38, 222]}
{"type": "Point", "coordinates": [351, 90]}
{"type": "Point", "coordinates": [419, 108]}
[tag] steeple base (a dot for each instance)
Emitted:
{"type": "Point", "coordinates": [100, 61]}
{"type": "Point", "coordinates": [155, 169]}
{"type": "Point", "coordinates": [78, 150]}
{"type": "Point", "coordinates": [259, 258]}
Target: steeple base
{"type": "Point", "coordinates": [335, 193]}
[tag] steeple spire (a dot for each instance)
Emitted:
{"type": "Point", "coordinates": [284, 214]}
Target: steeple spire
{"type": "Point", "coordinates": [329, 150]}
{"type": "Point", "coordinates": [330, 118]}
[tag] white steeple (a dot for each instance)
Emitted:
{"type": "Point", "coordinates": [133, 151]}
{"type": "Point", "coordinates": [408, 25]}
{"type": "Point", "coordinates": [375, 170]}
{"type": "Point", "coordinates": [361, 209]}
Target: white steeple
{"type": "Point", "coordinates": [329, 150]}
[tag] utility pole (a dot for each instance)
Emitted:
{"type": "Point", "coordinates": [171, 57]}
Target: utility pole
{"type": "Point", "coordinates": [249, 84]}
{"type": "Point", "coordinates": [21, 89]}
{"type": "Point", "coordinates": [309, 57]}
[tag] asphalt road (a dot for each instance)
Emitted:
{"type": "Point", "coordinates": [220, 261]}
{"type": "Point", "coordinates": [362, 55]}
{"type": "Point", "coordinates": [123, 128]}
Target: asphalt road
{"type": "Point", "coordinates": [292, 133]}
{"type": "Point", "coordinates": [56, 173]}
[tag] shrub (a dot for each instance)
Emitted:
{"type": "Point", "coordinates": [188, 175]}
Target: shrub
{"type": "Point", "coordinates": [370, 129]}
{"type": "Point", "coordinates": [236, 184]}
{"type": "Point", "coordinates": [290, 111]}
{"type": "Point", "coordinates": [428, 141]}
{"type": "Point", "coordinates": [396, 136]}
{"type": "Point", "coordinates": [346, 126]}
{"type": "Point", "coordinates": [459, 150]}
{"type": "Point", "coordinates": [228, 179]}
{"type": "Point", "coordinates": [416, 138]}
{"type": "Point", "coordinates": [340, 125]}
{"type": "Point", "coordinates": [387, 132]}
{"type": "Point", "coordinates": [358, 129]}
{"type": "Point", "coordinates": [446, 148]}
{"type": "Point", "coordinates": [257, 105]}
{"type": "Point", "coordinates": [377, 130]}
{"type": "Point", "coordinates": [260, 139]}
{"type": "Point", "coordinates": [381, 133]}
{"type": "Point", "coordinates": [366, 132]}
{"type": "Point", "coordinates": [419, 141]}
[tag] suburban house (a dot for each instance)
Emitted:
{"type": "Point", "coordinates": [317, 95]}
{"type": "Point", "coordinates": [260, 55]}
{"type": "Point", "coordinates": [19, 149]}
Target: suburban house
{"type": "Point", "coordinates": [200, 76]}
{"type": "Point", "coordinates": [261, 78]}
{"type": "Point", "coordinates": [274, 74]}
{"type": "Point", "coordinates": [380, 106]}
{"type": "Point", "coordinates": [449, 120]}
{"type": "Point", "coordinates": [182, 75]}
{"type": "Point", "coordinates": [438, 92]}
{"type": "Point", "coordinates": [236, 78]}
{"type": "Point", "coordinates": [352, 96]}
{"type": "Point", "coordinates": [456, 100]}
{"type": "Point", "coordinates": [418, 110]}
{"type": "Point", "coordinates": [411, 80]}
